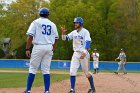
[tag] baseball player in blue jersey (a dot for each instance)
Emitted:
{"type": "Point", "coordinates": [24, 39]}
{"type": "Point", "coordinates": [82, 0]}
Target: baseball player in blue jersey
{"type": "Point", "coordinates": [42, 33]}
{"type": "Point", "coordinates": [81, 44]}
{"type": "Point", "coordinates": [122, 58]}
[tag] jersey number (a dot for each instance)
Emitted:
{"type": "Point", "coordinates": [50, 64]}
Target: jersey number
{"type": "Point", "coordinates": [81, 43]}
{"type": "Point", "coordinates": [46, 29]}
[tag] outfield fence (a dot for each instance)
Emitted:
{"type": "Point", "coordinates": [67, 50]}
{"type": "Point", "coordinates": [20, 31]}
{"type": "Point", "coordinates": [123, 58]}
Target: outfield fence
{"type": "Point", "coordinates": [61, 64]}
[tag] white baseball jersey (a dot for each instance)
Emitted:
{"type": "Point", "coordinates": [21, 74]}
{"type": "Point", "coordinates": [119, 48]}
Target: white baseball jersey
{"type": "Point", "coordinates": [95, 56]}
{"type": "Point", "coordinates": [122, 56]}
{"type": "Point", "coordinates": [44, 32]}
{"type": "Point", "coordinates": [79, 39]}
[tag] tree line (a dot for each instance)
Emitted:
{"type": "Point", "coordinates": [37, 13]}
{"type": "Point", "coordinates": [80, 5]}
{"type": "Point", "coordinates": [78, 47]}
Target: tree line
{"type": "Point", "coordinates": [113, 24]}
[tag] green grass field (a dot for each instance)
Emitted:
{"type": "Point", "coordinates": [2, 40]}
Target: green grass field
{"type": "Point", "coordinates": [18, 79]}
{"type": "Point", "coordinates": [15, 80]}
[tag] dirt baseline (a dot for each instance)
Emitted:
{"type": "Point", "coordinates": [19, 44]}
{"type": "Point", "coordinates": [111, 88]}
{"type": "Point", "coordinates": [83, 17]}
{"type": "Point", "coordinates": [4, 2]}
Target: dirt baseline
{"type": "Point", "coordinates": [104, 83]}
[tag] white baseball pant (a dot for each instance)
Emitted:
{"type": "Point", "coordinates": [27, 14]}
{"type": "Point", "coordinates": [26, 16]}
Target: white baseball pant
{"type": "Point", "coordinates": [41, 54]}
{"type": "Point", "coordinates": [96, 64]}
{"type": "Point", "coordinates": [76, 61]}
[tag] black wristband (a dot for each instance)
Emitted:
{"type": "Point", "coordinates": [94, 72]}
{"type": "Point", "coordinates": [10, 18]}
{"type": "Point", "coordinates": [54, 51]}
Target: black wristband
{"type": "Point", "coordinates": [27, 49]}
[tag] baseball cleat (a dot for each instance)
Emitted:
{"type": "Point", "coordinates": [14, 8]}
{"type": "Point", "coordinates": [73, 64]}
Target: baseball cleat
{"type": "Point", "coordinates": [116, 72]}
{"type": "Point", "coordinates": [26, 92]}
{"type": "Point", "coordinates": [91, 91]}
{"type": "Point", "coordinates": [71, 91]}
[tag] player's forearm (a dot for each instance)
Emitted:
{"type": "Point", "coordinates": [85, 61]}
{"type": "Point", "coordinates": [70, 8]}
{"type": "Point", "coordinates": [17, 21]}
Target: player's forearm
{"type": "Point", "coordinates": [54, 45]}
{"type": "Point", "coordinates": [29, 42]}
{"type": "Point", "coordinates": [118, 58]}
{"type": "Point", "coordinates": [63, 36]}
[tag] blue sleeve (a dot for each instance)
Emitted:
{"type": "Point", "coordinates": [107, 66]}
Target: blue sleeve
{"type": "Point", "coordinates": [87, 44]}
{"type": "Point", "coordinates": [67, 37]}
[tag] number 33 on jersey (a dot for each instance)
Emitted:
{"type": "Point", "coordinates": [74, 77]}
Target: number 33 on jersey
{"type": "Point", "coordinates": [44, 31]}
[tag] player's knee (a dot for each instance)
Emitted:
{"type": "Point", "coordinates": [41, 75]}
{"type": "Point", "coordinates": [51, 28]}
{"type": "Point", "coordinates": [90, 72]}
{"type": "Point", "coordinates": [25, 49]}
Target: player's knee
{"type": "Point", "coordinates": [33, 64]}
{"type": "Point", "coordinates": [73, 71]}
{"type": "Point", "coordinates": [33, 71]}
{"type": "Point", "coordinates": [88, 74]}
{"type": "Point", "coordinates": [45, 71]}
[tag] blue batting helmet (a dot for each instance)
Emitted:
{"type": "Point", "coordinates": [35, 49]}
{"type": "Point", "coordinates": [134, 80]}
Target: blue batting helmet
{"type": "Point", "coordinates": [79, 20]}
{"type": "Point", "coordinates": [44, 11]}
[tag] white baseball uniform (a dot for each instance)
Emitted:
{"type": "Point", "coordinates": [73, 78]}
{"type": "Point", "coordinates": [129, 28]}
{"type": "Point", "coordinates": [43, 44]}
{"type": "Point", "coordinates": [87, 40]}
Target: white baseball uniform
{"type": "Point", "coordinates": [79, 43]}
{"type": "Point", "coordinates": [95, 60]}
{"type": "Point", "coordinates": [44, 33]}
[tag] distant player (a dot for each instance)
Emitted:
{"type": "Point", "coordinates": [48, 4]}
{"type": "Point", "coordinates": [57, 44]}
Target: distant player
{"type": "Point", "coordinates": [122, 58]}
{"type": "Point", "coordinates": [95, 56]}
{"type": "Point", "coordinates": [43, 34]}
{"type": "Point", "coordinates": [81, 44]}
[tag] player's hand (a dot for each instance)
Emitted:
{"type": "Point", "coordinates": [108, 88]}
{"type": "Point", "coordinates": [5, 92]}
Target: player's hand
{"type": "Point", "coordinates": [28, 54]}
{"type": "Point", "coordinates": [63, 29]}
{"type": "Point", "coordinates": [83, 55]}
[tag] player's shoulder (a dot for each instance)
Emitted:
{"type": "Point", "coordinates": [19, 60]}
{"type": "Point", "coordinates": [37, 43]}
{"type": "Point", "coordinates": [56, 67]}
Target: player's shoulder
{"type": "Point", "coordinates": [44, 20]}
{"type": "Point", "coordinates": [36, 20]}
{"type": "Point", "coordinates": [51, 22]}
{"type": "Point", "coordinates": [84, 30]}
{"type": "Point", "coordinates": [74, 31]}
{"type": "Point", "coordinates": [124, 53]}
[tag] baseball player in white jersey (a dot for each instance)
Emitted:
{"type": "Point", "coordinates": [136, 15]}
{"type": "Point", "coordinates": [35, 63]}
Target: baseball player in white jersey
{"type": "Point", "coordinates": [81, 44]}
{"type": "Point", "coordinates": [95, 56]}
{"type": "Point", "coordinates": [42, 33]}
{"type": "Point", "coordinates": [122, 58]}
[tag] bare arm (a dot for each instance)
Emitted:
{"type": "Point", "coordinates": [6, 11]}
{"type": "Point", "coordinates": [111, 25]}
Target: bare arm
{"type": "Point", "coordinates": [54, 45]}
{"type": "Point", "coordinates": [63, 30]}
{"type": "Point", "coordinates": [117, 57]}
{"type": "Point", "coordinates": [28, 45]}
